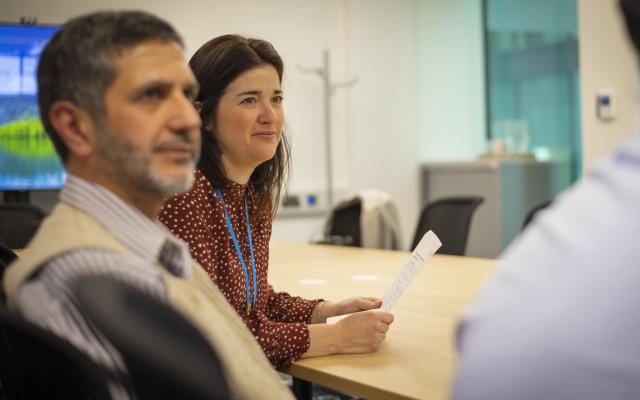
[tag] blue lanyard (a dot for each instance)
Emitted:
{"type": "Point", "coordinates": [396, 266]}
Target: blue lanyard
{"type": "Point", "coordinates": [237, 246]}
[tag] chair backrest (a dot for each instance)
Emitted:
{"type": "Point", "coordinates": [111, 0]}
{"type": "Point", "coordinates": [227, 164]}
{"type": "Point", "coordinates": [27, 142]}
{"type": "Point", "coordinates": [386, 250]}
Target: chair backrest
{"type": "Point", "coordinates": [450, 219]}
{"type": "Point", "coordinates": [167, 357]}
{"type": "Point", "coordinates": [18, 224]}
{"type": "Point", "coordinates": [529, 217]}
{"type": "Point", "coordinates": [344, 228]}
{"type": "Point", "coordinates": [36, 364]}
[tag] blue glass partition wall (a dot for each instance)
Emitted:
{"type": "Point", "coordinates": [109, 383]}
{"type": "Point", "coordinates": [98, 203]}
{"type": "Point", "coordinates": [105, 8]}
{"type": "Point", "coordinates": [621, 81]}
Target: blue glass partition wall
{"type": "Point", "coordinates": [533, 80]}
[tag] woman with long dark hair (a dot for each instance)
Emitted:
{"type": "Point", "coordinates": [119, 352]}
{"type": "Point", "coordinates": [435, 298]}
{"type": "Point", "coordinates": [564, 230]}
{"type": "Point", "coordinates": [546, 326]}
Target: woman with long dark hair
{"type": "Point", "coordinates": [226, 217]}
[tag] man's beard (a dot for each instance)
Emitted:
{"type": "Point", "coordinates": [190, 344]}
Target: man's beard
{"type": "Point", "coordinates": [133, 168]}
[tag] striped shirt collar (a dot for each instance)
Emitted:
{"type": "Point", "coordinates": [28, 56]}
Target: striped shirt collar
{"type": "Point", "coordinates": [148, 239]}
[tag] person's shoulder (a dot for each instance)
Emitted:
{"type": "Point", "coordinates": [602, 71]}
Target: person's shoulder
{"type": "Point", "coordinates": [624, 159]}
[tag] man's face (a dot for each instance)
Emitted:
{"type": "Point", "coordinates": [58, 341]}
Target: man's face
{"type": "Point", "coordinates": [149, 137]}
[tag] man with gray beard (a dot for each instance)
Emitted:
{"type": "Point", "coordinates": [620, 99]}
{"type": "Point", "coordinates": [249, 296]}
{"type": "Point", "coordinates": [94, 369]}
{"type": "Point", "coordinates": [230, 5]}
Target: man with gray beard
{"type": "Point", "coordinates": [115, 96]}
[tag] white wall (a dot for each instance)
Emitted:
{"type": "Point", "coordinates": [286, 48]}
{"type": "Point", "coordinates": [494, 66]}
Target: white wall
{"type": "Point", "coordinates": [607, 62]}
{"type": "Point", "coordinates": [419, 96]}
{"type": "Point", "coordinates": [383, 104]}
{"type": "Point", "coordinates": [450, 83]}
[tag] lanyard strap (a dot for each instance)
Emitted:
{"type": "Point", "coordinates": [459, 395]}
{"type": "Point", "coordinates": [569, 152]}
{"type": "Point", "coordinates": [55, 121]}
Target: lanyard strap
{"type": "Point", "coordinates": [247, 285]}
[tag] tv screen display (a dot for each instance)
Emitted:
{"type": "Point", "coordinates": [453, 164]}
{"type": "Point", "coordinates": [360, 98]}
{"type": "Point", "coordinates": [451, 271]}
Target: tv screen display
{"type": "Point", "coordinates": [28, 159]}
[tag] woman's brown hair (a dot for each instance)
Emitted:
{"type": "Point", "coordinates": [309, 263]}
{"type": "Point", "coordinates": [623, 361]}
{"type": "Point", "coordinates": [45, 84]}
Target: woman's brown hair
{"type": "Point", "coordinates": [216, 64]}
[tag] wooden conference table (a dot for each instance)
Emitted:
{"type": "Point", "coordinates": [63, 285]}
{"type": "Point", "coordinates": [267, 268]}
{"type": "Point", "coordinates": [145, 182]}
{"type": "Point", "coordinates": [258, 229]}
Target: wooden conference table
{"type": "Point", "coordinates": [418, 358]}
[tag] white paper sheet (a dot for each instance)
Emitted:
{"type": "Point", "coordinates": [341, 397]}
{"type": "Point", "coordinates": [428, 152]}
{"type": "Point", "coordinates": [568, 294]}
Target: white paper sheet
{"type": "Point", "coordinates": [427, 246]}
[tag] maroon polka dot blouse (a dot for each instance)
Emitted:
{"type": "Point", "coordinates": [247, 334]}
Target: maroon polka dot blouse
{"type": "Point", "coordinates": [279, 321]}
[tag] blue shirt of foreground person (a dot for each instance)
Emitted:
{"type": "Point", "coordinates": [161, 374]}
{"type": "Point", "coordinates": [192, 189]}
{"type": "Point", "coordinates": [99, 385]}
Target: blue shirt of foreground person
{"type": "Point", "coordinates": [561, 318]}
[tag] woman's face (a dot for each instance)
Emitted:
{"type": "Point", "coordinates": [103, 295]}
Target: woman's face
{"type": "Point", "coordinates": [250, 118]}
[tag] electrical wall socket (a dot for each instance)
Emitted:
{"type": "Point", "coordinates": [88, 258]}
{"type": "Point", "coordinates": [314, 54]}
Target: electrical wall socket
{"type": "Point", "coordinates": [301, 204]}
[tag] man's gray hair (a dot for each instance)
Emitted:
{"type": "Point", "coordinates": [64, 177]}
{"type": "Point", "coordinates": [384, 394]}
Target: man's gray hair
{"type": "Point", "coordinates": [78, 63]}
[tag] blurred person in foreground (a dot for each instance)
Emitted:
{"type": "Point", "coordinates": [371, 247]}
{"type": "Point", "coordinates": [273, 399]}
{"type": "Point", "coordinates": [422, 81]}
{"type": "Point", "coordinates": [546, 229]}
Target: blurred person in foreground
{"type": "Point", "coordinates": [560, 319]}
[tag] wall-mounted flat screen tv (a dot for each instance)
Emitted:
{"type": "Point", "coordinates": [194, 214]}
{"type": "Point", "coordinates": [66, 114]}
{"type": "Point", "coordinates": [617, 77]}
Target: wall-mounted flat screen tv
{"type": "Point", "coordinates": [28, 160]}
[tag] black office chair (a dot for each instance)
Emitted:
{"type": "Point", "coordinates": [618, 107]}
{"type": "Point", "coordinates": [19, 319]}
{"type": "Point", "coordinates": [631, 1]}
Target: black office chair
{"type": "Point", "coordinates": [18, 224]}
{"type": "Point", "coordinates": [529, 217]}
{"type": "Point", "coordinates": [36, 364]}
{"type": "Point", "coordinates": [167, 357]}
{"type": "Point", "coordinates": [344, 226]}
{"type": "Point", "coordinates": [450, 219]}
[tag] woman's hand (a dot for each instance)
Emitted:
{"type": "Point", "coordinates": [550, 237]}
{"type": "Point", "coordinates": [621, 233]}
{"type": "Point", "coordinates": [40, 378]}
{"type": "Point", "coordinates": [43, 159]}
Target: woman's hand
{"type": "Point", "coordinates": [326, 309]}
{"type": "Point", "coordinates": [362, 332]}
